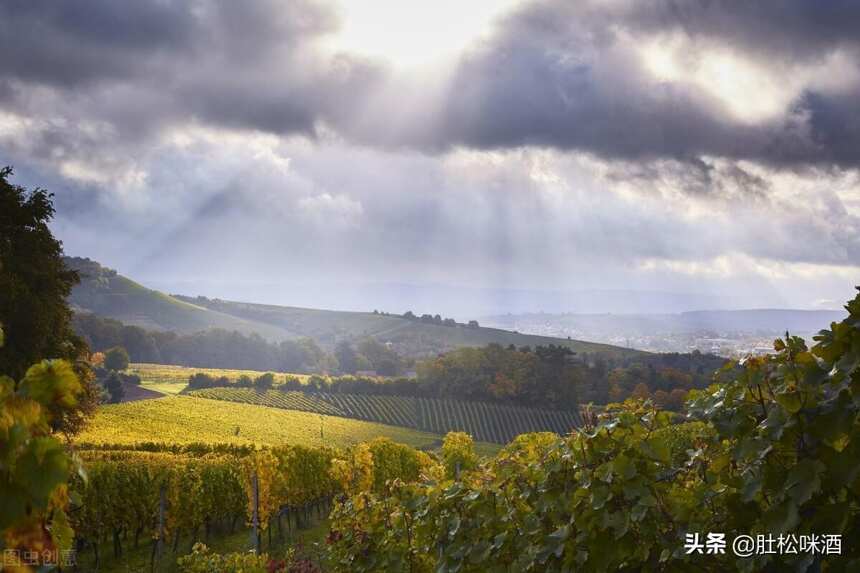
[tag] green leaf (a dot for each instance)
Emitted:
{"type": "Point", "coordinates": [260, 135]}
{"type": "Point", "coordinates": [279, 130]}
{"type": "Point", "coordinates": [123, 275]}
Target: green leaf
{"type": "Point", "coordinates": [790, 400]}
{"type": "Point", "coordinates": [781, 519]}
{"type": "Point", "coordinates": [624, 467]}
{"type": "Point", "coordinates": [803, 480]}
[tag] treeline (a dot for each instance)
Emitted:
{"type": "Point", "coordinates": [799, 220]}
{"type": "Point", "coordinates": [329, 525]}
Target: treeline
{"type": "Point", "coordinates": [217, 348]}
{"type": "Point", "coordinates": [432, 319]}
{"type": "Point", "coordinates": [664, 378]}
{"type": "Point", "coordinates": [544, 377]}
{"type": "Point", "coordinates": [346, 384]}
{"type": "Point", "coordinates": [555, 377]}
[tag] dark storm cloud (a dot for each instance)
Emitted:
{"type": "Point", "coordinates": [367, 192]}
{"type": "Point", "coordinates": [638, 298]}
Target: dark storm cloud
{"type": "Point", "coordinates": [554, 73]}
{"type": "Point", "coordinates": [73, 43]}
{"type": "Point", "coordinates": [143, 65]}
{"type": "Point", "coordinates": [558, 74]}
{"type": "Point", "coordinates": [786, 29]}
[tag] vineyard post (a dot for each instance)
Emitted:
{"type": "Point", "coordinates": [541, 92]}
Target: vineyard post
{"type": "Point", "coordinates": [255, 518]}
{"type": "Point", "coordinates": [159, 542]}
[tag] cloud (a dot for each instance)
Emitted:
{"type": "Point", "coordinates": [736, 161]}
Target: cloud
{"type": "Point", "coordinates": [150, 65]}
{"type": "Point", "coordinates": [577, 145]}
{"type": "Point", "coordinates": [632, 81]}
{"type": "Point", "coordinates": [574, 76]}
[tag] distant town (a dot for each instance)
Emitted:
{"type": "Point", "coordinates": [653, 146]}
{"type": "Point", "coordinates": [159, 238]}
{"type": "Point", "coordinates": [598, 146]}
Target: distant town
{"type": "Point", "coordinates": [732, 334]}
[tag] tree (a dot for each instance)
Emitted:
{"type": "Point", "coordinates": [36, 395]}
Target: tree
{"type": "Point", "coordinates": [34, 286]}
{"type": "Point", "coordinates": [113, 384]}
{"type": "Point", "coordinates": [347, 357]}
{"type": "Point", "coordinates": [383, 359]}
{"type": "Point", "coordinates": [116, 359]}
{"type": "Point", "coordinates": [264, 381]}
{"type": "Point", "coordinates": [641, 391]}
{"type": "Point", "coordinates": [34, 282]}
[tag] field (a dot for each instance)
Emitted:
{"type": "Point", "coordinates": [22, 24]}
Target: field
{"type": "Point", "coordinates": [170, 379]}
{"type": "Point", "coordinates": [186, 419]}
{"type": "Point", "coordinates": [485, 422]}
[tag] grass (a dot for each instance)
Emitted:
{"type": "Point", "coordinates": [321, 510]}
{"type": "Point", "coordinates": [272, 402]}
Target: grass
{"type": "Point", "coordinates": [185, 419]}
{"type": "Point", "coordinates": [137, 560]}
{"type": "Point", "coordinates": [170, 379]}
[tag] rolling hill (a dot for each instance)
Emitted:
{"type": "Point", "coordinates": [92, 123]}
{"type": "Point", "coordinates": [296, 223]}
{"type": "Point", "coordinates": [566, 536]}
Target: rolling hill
{"type": "Point", "coordinates": [106, 293]}
{"type": "Point", "coordinates": [185, 419]}
{"type": "Point", "coordinates": [409, 337]}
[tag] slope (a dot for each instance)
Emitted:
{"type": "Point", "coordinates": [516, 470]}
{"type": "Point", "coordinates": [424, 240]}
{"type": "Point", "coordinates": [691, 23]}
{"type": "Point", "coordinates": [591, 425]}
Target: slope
{"type": "Point", "coordinates": [486, 422]}
{"type": "Point", "coordinates": [409, 337]}
{"type": "Point", "coordinates": [105, 293]}
{"type": "Point", "coordinates": [185, 419]}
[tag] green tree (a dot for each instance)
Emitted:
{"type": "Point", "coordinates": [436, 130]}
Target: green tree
{"type": "Point", "coordinates": [115, 388]}
{"type": "Point", "coordinates": [34, 286]}
{"type": "Point", "coordinates": [264, 381]}
{"type": "Point", "coordinates": [34, 282]}
{"type": "Point", "coordinates": [382, 358]}
{"type": "Point", "coordinates": [116, 359]}
{"type": "Point", "coordinates": [347, 357]}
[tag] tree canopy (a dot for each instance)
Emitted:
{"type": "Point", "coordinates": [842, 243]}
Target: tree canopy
{"type": "Point", "coordinates": [34, 282]}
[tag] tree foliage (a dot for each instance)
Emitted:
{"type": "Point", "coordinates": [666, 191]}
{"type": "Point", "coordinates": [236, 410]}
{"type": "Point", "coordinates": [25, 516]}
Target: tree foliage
{"type": "Point", "coordinates": [34, 282]}
{"type": "Point", "coordinates": [116, 358]}
{"type": "Point", "coordinates": [214, 348]}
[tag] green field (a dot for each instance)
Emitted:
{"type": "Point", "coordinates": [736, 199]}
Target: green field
{"type": "Point", "coordinates": [483, 421]}
{"type": "Point", "coordinates": [186, 419]}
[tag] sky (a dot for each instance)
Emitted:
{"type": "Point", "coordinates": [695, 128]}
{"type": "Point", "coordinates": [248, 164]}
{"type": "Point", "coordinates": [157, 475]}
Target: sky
{"type": "Point", "coordinates": [447, 156]}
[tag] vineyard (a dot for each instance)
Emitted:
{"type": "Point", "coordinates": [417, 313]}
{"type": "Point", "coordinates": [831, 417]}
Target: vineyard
{"type": "Point", "coordinates": [485, 422]}
{"type": "Point", "coordinates": [172, 500]}
{"type": "Point", "coordinates": [773, 455]}
{"type": "Point", "coordinates": [185, 419]}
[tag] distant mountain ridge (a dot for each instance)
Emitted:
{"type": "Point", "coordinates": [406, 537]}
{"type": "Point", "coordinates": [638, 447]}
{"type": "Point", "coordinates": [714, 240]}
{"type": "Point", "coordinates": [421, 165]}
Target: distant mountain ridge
{"type": "Point", "coordinates": [769, 321]}
{"type": "Point", "coordinates": [106, 293]}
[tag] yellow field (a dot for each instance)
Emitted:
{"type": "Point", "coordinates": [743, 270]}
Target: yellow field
{"type": "Point", "coordinates": [169, 379]}
{"type": "Point", "coordinates": [184, 419]}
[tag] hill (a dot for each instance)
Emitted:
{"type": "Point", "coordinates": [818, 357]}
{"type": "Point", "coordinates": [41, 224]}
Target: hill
{"type": "Point", "coordinates": [104, 292]}
{"type": "Point", "coordinates": [186, 419]}
{"type": "Point", "coordinates": [485, 422]}
{"type": "Point", "coordinates": [411, 337]}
